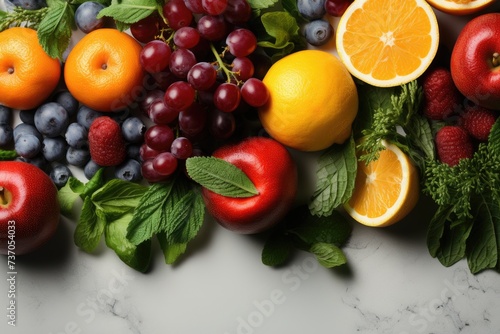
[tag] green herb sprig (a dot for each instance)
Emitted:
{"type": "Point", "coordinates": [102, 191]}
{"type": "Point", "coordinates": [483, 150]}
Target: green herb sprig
{"type": "Point", "coordinates": [129, 215]}
{"type": "Point", "coordinates": [467, 222]}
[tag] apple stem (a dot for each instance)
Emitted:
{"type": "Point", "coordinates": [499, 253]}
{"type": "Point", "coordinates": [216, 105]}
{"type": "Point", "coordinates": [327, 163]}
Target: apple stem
{"type": "Point", "coordinates": [496, 59]}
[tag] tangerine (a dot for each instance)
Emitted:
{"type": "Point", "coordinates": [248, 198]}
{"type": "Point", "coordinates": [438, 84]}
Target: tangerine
{"type": "Point", "coordinates": [28, 75]}
{"type": "Point", "coordinates": [103, 70]}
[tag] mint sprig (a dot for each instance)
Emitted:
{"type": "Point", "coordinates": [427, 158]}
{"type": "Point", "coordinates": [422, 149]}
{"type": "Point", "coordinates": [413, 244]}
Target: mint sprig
{"type": "Point", "coordinates": [173, 211]}
{"type": "Point", "coordinates": [220, 177]}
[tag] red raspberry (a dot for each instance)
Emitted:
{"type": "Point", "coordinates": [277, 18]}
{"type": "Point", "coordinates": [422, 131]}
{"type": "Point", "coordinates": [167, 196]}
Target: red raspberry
{"type": "Point", "coordinates": [441, 97]}
{"type": "Point", "coordinates": [453, 143]}
{"type": "Point", "coordinates": [106, 142]}
{"type": "Point", "coordinates": [478, 121]}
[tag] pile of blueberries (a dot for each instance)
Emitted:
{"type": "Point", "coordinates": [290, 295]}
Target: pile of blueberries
{"type": "Point", "coordinates": [55, 136]}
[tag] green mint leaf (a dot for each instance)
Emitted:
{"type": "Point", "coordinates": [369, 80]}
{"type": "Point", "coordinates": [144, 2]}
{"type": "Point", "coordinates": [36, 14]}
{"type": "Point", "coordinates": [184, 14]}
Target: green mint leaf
{"type": "Point", "coordinates": [335, 178]}
{"type": "Point", "coordinates": [96, 182]}
{"type": "Point", "coordinates": [185, 217]}
{"type": "Point", "coordinates": [118, 197]}
{"type": "Point", "coordinates": [328, 255]}
{"type": "Point", "coordinates": [258, 5]}
{"type": "Point", "coordinates": [56, 27]}
{"type": "Point", "coordinates": [332, 229]}
{"type": "Point", "coordinates": [220, 177]}
{"type": "Point", "coordinates": [277, 250]}
{"type": "Point", "coordinates": [76, 186]}
{"type": "Point", "coordinates": [137, 257]}
{"type": "Point", "coordinates": [494, 139]}
{"type": "Point", "coordinates": [171, 252]}
{"type": "Point", "coordinates": [8, 155]}
{"type": "Point", "coordinates": [454, 242]}
{"type": "Point", "coordinates": [420, 136]}
{"type": "Point", "coordinates": [436, 228]}
{"type": "Point", "coordinates": [90, 227]}
{"type": "Point", "coordinates": [282, 29]}
{"type": "Point", "coordinates": [150, 213]}
{"type": "Point", "coordinates": [129, 11]}
{"type": "Point", "coordinates": [67, 198]}
{"type": "Point", "coordinates": [482, 244]}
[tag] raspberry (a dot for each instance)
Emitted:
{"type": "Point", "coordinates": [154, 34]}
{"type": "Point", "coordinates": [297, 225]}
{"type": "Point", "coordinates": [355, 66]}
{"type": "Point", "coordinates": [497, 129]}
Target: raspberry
{"type": "Point", "coordinates": [106, 143]}
{"type": "Point", "coordinates": [478, 121]}
{"type": "Point", "coordinates": [453, 143]}
{"type": "Point", "coordinates": [441, 97]}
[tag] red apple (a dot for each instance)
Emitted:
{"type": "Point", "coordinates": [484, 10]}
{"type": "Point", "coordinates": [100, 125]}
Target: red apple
{"type": "Point", "coordinates": [29, 209]}
{"type": "Point", "coordinates": [272, 170]}
{"type": "Point", "coordinates": [475, 61]}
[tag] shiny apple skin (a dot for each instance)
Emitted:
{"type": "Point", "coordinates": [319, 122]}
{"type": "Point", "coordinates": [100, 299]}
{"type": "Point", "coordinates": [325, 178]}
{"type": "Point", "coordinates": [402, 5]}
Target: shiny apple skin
{"type": "Point", "coordinates": [471, 65]}
{"type": "Point", "coordinates": [34, 207]}
{"type": "Point", "coordinates": [271, 168]}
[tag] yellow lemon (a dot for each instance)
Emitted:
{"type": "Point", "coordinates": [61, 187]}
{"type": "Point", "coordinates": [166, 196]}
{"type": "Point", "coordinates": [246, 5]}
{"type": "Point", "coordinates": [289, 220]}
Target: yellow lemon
{"type": "Point", "coordinates": [386, 189]}
{"type": "Point", "coordinates": [313, 101]}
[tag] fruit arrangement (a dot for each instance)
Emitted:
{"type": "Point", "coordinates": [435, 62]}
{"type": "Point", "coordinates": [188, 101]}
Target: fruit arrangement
{"type": "Point", "coordinates": [174, 109]}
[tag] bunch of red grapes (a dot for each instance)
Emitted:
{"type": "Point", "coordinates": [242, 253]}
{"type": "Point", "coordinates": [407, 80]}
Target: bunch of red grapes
{"type": "Point", "coordinates": [202, 61]}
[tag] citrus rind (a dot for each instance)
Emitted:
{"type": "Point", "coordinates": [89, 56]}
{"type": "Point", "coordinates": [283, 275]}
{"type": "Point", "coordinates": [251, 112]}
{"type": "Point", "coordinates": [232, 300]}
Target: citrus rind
{"type": "Point", "coordinates": [457, 7]}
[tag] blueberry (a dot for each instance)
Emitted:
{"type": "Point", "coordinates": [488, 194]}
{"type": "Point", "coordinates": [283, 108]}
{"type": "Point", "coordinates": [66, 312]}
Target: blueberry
{"type": "Point", "coordinates": [60, 174]}
{"type": "Point", "coordinates": [85, 116]}
{"type": "Point", "coordinates": [6, 135]}
{"type": "Point", "coordinates": [54, 149]}
{"type": "Point", "coordinates": [76, 136]}
{"type": "Point", "coordinates": [311, 9]}
{"type": "Point", "coordinates": [28, 145]}
{"type": "Point", "coordinates": [90, 169]}
{"type": "Point", "coordinates": [27, 116]}
{"type": "Point", "coordinates": [29, 4]}
{"type": "Point", "coordinates": [130, 170]}
{"type": "Point", "coordinates": [86, 16]}
{"type": "Point", "coordinates": [5, 115]}
{"type": "Point", "coordinates": [318, 32]}
{"type": "Point", "coordinates": [68, 102]}
{"type": "Point", "coordinates": [133, 130]}
{"type": "Point", "coordinates": [23, 128]}
{"type": "Point", "coordinates": [77, 156]}
{"type": "Point", "coordinates": [51, 119]}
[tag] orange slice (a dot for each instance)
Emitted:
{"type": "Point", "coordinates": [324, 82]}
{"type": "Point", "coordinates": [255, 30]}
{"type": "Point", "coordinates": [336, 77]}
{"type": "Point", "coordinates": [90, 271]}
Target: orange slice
{"type": "Point", "coordinates": [387, 43]}
{"type": "Point", "coordinates": [386, 189]}
{"type": "Point", "coordinates": [460, 7]}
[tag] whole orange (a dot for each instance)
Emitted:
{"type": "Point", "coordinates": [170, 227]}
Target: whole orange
{"type": "Point", "coordinates": [103, 70]}
{"type": "Point", "coordinates": [28, 75]}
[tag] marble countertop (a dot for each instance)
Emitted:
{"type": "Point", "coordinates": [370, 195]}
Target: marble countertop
{"type": "Point", "coordinates": [390, 285]}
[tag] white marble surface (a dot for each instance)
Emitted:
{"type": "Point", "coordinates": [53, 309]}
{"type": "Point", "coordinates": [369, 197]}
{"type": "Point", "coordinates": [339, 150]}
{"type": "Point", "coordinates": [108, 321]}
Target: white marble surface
{"type": "Point", "coordinates": [391, 285]}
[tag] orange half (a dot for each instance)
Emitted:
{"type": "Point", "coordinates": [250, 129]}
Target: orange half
{"type": "Point", "coordinates": [387, 43]}
{"type": "Point", "coordinates": [386, 189]}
